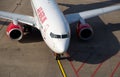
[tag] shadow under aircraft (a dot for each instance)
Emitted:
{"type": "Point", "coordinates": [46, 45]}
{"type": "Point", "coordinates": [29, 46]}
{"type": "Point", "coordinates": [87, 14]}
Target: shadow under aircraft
{"type": "Point", "coordinates": [103, 45]}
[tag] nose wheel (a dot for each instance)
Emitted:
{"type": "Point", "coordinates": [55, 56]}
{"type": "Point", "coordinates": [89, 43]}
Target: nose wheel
{"type": "Point", "coordinates": [58, 56]}
{"type": "Point", "coordinates": [61, 56]}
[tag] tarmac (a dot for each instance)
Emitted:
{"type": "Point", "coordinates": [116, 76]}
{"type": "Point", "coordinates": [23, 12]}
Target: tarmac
{"type": "Point", "coordinates": [31, 57]}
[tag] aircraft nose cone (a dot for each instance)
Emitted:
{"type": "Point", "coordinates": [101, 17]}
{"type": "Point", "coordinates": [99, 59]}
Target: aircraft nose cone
{"type": "Point", "coordinates": [62, 46]}
{"type": "Point", "coordinates": [62, 49]}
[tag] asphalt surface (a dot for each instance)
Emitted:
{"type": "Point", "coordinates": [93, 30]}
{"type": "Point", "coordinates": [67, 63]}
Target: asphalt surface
{"type": "Point", "coordinates": [30, 57]}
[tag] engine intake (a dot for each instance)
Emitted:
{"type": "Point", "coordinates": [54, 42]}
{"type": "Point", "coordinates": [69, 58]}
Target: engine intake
{"type": "Point", "coordinates": [84, 31]}
{"type": "Point", "coordinates": [14, 32]}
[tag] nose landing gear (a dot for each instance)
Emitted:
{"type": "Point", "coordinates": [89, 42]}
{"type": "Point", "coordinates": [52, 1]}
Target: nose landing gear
{"type": "Point", "coordinates": [61, 56]}
{"type": "Point", "coordinates": [58, 56]}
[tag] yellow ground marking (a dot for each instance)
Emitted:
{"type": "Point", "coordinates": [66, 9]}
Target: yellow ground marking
{"type": "Point", "coordinates": [61, 68]}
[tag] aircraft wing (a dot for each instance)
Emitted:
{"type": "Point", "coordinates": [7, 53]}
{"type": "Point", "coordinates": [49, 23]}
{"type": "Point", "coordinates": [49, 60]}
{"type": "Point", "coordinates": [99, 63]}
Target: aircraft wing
{"type": "Point", "coordinates": [90, 13]}
{"type": "Point", "coordinates": [20, 18]}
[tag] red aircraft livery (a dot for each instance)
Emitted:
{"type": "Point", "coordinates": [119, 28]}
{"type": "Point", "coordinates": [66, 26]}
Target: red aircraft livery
{"type": "Point", "coordinates": [41, 15]}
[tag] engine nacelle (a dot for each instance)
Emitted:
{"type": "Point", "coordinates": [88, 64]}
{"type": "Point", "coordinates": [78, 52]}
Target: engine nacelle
{"type": "Point", "coordinates": [84, 31]}
{"type": "Point", "coordinates": [14, 32]}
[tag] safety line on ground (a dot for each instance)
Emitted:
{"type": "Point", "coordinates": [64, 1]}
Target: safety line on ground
{"type": "Point", "coordinates": [96, 70]}
{"type": "Point", "coordinates": [61, 68]}
{"type": "Point", "coordinates": [75, 71]}
{"type": "Point", "coordinates": [115, 69]}
{"type": "Point", "coordinates": [73, 67]}
{"type": "Point", "coordinates": [81, 66]}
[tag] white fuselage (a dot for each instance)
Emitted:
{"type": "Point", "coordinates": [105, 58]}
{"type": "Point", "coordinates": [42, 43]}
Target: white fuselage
{"type": "Point", "coordinates": [52, 24]}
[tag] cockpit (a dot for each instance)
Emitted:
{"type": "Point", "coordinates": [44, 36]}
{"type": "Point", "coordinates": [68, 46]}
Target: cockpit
{"type": "Point", "coordinates": [59, 36]}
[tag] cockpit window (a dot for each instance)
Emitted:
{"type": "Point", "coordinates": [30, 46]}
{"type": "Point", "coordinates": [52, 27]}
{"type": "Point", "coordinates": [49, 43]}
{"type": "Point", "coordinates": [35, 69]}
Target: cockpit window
{"type": "Point", "coordinates": [54, 35]}
{"type": "Point", "coordinates": [59, 36]}
{"type": "Point", "coordinates": [64, 35]}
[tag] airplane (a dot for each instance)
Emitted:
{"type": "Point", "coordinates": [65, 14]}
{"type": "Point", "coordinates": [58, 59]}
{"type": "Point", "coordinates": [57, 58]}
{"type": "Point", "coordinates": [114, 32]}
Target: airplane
{"type": "Point", "coordinates": [53, 24]}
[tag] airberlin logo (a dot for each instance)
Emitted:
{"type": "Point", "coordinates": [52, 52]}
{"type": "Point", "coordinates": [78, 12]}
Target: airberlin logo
{"type": "Point", "coordinates": [41, 15]}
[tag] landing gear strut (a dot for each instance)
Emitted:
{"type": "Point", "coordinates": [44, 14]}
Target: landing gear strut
{"type": "Point", "coordinates": [58, 56]}
{"type": "Point", "coordinates": [61, 56]}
